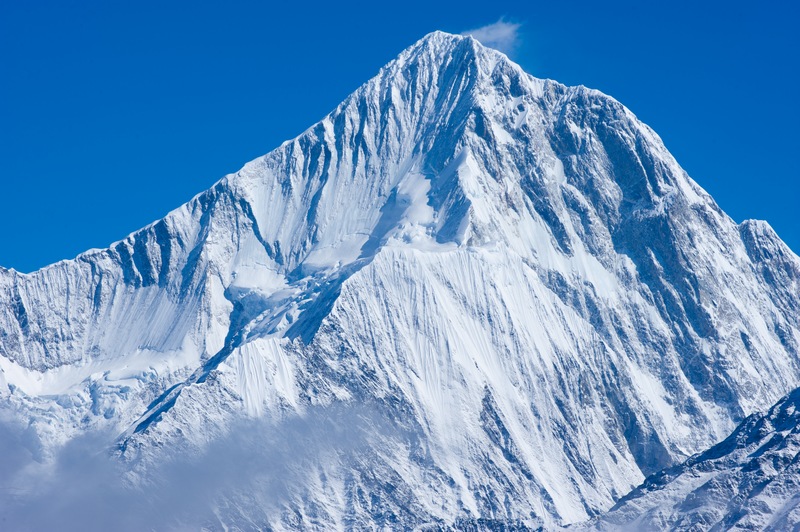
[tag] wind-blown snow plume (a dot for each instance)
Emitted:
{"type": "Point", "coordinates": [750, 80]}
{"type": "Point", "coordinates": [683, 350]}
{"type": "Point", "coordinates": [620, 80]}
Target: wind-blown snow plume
{"type": "Point", "coordinates": [501, 35]}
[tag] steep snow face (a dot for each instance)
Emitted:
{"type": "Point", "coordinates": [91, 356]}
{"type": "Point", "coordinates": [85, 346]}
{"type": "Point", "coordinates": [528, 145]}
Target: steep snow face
{"type": "Point", "coordinates": [749, 481]}
{"type": "Point", "coordinates": [535, 302]}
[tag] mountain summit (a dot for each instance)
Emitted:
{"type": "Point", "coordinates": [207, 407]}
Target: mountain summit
{"type": "Point", "coordinates": [466, 295]}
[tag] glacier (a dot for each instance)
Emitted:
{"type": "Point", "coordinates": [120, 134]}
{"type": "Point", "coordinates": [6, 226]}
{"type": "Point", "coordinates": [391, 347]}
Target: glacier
{"type": "Point", "coordinates": [466, 296]}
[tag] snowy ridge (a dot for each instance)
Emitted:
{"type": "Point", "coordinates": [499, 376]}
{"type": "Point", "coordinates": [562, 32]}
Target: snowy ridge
{"type": "Point", "coordinates": [751, 480]}
{"type": "Point", "coordinates": [498, 268]}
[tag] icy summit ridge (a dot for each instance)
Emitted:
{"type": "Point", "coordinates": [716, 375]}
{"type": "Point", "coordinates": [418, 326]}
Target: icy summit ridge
{"type": "Point", "coordinates": [503, 268]}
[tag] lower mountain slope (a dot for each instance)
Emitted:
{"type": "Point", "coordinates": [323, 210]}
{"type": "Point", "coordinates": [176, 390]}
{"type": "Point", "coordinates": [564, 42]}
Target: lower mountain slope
{"type": "Point", "coordinates": [749, 481]}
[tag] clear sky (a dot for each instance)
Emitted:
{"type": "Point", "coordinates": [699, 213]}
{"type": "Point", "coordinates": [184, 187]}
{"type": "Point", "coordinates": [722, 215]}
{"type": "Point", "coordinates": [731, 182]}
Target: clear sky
{"type": "Point", "coordinates": [113, 113]}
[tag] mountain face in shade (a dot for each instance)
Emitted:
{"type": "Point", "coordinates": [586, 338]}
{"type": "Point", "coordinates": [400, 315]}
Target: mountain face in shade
{"type": "Point", "coordinates": [466, 296]}
{"type": "Point", "coordinates": [750, 481]}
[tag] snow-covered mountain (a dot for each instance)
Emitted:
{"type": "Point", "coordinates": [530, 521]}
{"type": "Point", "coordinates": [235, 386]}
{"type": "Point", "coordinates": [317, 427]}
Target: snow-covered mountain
{"type": "Point", "coordinates": [465, 295]}
{"type": "Point", "coordinates": [750, 481]}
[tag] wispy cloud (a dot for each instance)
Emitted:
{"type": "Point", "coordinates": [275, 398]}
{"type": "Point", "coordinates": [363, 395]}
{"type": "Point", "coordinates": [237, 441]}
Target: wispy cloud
{"type": "Point", "coordinates": [500, 35]}
{"type": "Point", "coordinates": [257, 470]}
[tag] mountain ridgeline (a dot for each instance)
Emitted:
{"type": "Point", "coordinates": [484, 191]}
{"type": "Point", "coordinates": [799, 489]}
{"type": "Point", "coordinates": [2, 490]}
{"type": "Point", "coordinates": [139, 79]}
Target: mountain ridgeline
{"type": "Point", "coordinates": [465, 297]}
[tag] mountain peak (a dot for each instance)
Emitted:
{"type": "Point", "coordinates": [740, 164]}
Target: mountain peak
{"type": "Point", "coordinates": [442, 41]}
{"type": "Point", "coordinates": [412, 122]}
{"type": "Point", "coordinates": [439, 49]}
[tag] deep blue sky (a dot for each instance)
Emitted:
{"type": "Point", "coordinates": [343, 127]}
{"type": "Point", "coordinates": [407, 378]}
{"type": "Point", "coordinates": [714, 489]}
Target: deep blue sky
{"type": "Point", "coordinates": [113, 113]}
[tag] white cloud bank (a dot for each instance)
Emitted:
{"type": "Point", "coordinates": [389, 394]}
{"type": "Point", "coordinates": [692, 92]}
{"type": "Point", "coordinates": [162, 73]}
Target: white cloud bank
{"type": "Point", "coordinates": [256, 472]}
{"type": "Point", "coordinates": [501, 35]}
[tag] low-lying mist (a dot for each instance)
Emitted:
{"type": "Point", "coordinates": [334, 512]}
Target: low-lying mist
{"type": "Point", "coordinates": [258, 464]}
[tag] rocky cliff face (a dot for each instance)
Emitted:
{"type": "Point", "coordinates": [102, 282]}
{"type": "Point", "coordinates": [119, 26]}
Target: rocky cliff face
{"type": "Point", "coordinates": [466, 293]}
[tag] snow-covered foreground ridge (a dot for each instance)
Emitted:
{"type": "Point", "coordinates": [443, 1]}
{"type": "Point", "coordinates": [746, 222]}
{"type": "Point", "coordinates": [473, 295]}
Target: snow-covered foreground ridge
{"type": "Point", "coordinates": [465, 295]}
{"type": "Point", "coordinates": [749, 481]}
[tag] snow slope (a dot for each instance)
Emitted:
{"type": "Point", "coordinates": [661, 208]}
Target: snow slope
{"type": "Point", "coordinates": [750, 481]}
{"type": "Point", "coordinates": [506, 292]}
